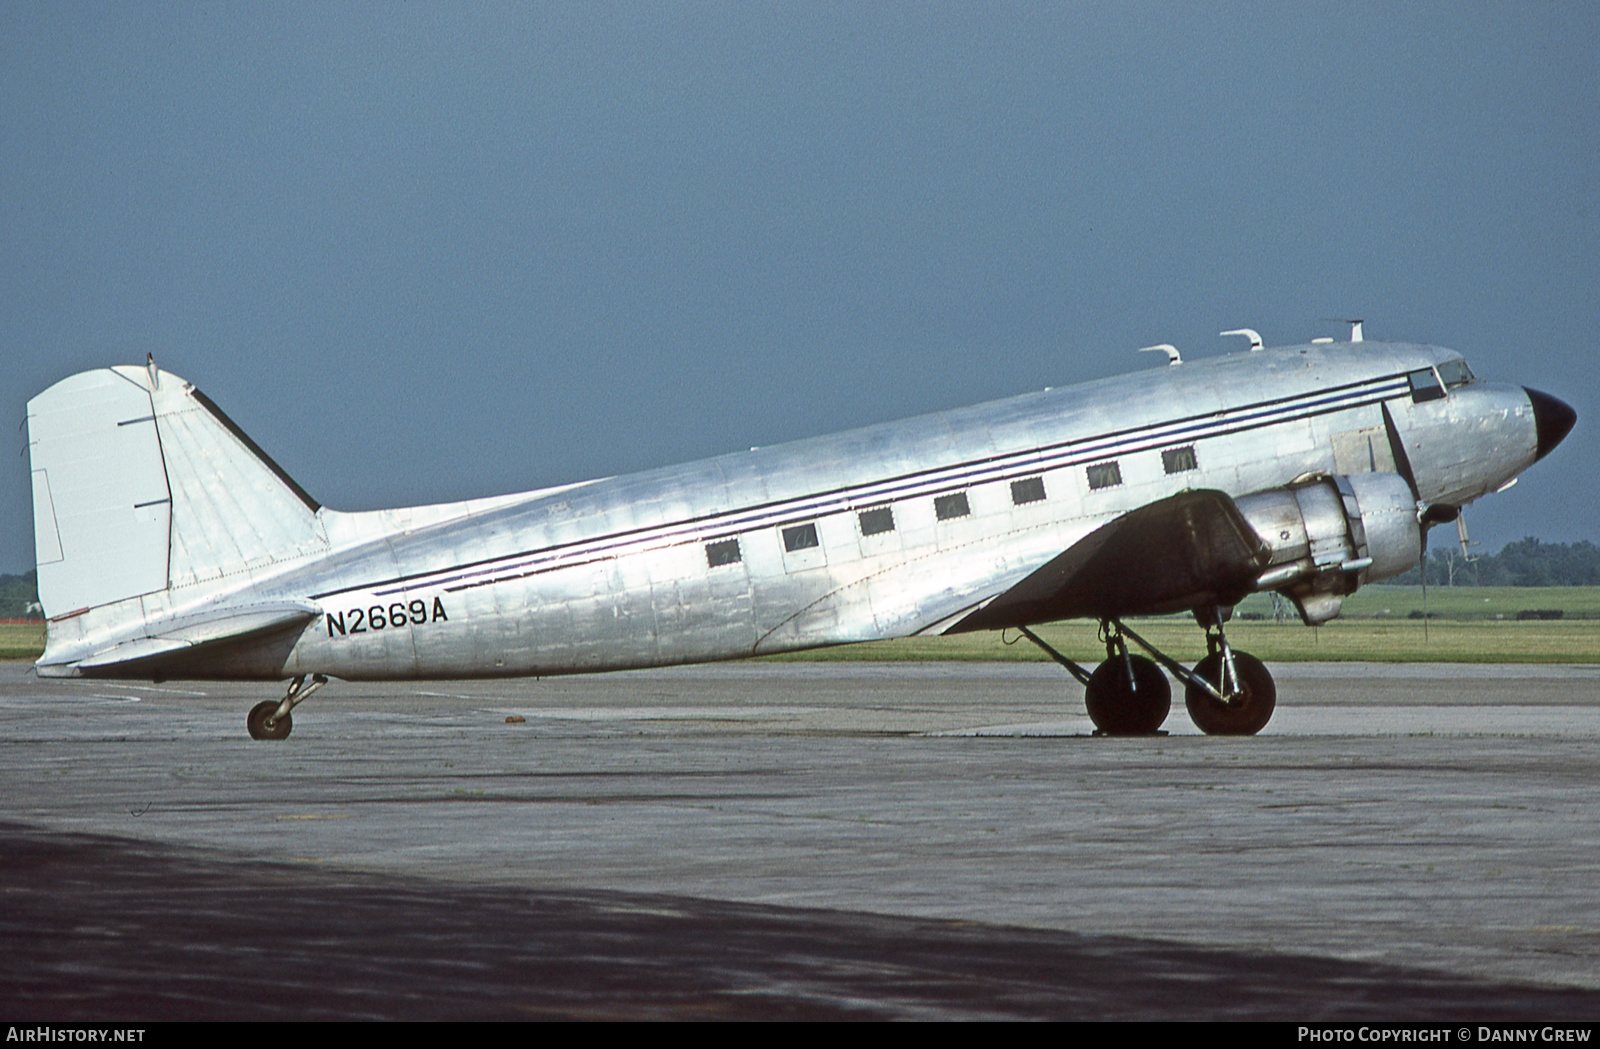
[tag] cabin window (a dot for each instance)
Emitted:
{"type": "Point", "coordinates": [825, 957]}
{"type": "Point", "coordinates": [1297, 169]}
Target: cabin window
{"type": "Point", "coordinates": [1178, 460]}
{"type": "Point", "coordinates": [954, 505]}
{"type": "Point", "coordinates": [1027, 490]}
{"type": "Point", "coordinates": [1425, 386]}
{"type": "Point", "coordinates": [878, 520]}
{"type": "Point", "coordinates": [725, 552]}
{"type": "Point", "coordinates": [1105, 475]}
{"type": "Point", "coordinates": [1455, 373]}
{"type": "Point", "coordinates": [800, 537]}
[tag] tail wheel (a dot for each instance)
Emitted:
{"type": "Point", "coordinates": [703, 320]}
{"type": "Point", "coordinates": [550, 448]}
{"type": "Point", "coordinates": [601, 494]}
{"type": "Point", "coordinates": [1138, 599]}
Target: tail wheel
{"type": "Point", "coordinates": [257, 721]}
{"type": "Point", "coordinates": [1120, 710]}
{"type": "Point", "coordinates": [1251, 706]}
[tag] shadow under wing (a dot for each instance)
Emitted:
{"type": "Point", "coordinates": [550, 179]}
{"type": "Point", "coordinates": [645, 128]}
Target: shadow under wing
{"type": "Point", "coordinates": [1191, 550]}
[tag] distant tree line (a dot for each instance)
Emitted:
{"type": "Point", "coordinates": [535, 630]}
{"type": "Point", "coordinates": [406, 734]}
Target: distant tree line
{"type": "Point", "coordinates": [19, 596]}
{"type": "Point", "coordinates": [1527, 562]}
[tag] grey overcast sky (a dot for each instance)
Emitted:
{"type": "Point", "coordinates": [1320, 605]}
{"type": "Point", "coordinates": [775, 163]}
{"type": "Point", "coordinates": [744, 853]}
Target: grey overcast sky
{"type": "Point", "coordinates": [423, 252]}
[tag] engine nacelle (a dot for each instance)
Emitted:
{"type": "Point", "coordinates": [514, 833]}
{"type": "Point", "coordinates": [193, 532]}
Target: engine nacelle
{"type": "Point", "coordinates": [1329, 534]}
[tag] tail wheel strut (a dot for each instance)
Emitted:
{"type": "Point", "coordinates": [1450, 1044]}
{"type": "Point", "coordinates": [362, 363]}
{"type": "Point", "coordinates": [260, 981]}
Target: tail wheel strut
{"type": "Point", "coordinates": [272, 720]}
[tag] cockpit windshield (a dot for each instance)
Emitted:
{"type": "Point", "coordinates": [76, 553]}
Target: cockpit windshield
{"type": "Point", "coordinates": [1455, 373]}
{"type": "Point", "coordinates": [1426, 382]}
{"type": "Point", "coordinates": [1425, 386]}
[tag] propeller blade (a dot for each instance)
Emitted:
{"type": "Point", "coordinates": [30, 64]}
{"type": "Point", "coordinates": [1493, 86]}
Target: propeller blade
{"type": "Point", "coordinates": [1424, 567]}
{"type": "Point", "coordinates": [1397, 449]}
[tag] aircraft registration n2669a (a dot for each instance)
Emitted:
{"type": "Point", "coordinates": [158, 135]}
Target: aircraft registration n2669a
{"type": "Point", "coordinates": [170, 546]}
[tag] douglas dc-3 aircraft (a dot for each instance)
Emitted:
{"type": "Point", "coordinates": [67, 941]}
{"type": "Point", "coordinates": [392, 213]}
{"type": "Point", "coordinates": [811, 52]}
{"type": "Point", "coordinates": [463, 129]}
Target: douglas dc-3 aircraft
{"type": "Point", "coordinates": [170, 546]}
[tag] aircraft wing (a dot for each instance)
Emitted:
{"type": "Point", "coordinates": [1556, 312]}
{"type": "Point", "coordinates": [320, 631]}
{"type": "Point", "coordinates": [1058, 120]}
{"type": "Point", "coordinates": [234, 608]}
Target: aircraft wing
{"type": "Point", "coordinates": [1190, 550]}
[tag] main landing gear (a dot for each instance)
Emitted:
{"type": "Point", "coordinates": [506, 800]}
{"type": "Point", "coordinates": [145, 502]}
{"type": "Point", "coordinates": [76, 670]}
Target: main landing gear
{"type": "Point", "coordinates": [1231, 693]}
{"type": "Point", "coordinates": [270, 719]}
{"type": "Point", "coordinates": [1228, 693]}
{"type": "Point", "coordinates": [1127, 695]}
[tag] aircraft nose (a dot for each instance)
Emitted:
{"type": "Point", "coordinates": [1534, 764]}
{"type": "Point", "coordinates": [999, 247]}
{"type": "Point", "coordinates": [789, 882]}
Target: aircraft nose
{"type": "Point", "coordinates": [1552, 419]}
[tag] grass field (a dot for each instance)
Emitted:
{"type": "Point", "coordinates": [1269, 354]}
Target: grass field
{"type": "Point", "coordinates": [21, 640]}
{"type": "Point", "coordinates": [1375, 627]}
{"type": "Point", "coordinates": [1378, 640]}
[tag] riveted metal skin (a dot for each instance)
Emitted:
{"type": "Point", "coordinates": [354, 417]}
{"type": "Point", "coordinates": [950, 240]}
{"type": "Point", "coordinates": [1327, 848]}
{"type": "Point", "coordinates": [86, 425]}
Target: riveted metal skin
{"type": "Point", "coordinates": [690, 563]}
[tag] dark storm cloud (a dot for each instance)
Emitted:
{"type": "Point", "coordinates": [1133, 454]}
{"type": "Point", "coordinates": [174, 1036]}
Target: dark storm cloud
{"type": "Point", "coordinates": [429, 252]}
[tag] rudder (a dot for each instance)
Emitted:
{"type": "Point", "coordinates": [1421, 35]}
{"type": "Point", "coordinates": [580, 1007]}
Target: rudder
{"type": "Point", "coordinates": [102, 511]}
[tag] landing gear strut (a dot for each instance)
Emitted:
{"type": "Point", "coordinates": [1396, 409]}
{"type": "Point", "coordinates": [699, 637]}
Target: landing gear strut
{"type": "Point", "coordinates": [1127, 695]}
{"type": "Point", "coordinates": [1240, 696]}
{"type": "Point", "coordinates": [1228, 693]}
{"type": "Point", "coordinates": [271, 720]}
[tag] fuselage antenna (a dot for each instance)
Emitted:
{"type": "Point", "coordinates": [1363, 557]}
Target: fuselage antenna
{"type": "Point", "coordinates": [1355, 326]}
{"type": "Point", "coordinates": [1170, 350]}
{"type": "Point", "coordinates": [1249, 333]}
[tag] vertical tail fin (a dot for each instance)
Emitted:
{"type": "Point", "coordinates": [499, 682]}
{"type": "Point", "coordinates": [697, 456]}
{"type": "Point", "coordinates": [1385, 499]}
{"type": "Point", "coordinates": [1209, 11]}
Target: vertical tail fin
{"type": "Point", "coordinates": [141, 484]}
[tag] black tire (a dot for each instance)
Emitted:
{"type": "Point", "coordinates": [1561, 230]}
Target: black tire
{"type": "Point", "coordinates": [257, 721]}
{"type": "Point", "coordinates": [1118, 710]}
{"type": "Point", "coordinates": [1249, 711]}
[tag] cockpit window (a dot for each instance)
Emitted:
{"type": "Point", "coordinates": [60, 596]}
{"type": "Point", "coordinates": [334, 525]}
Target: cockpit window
{"type": "Point", "coordinates": [1455, 373]}
{"type": "Point", "coordinates": [1425, 386]}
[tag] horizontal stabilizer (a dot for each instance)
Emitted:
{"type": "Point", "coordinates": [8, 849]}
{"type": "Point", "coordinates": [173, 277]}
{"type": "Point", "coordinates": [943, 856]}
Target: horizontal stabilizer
{"type": "Point", "coordinates": [1192, 550]}
{"type": "Point", "coordinates": [128, 652]}
{"type": "Point", "coordinates": [183, 638]}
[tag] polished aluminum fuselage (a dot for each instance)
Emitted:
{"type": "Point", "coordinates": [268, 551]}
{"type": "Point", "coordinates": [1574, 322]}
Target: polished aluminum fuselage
{"type": "Point", "coordinates": [617, 573]}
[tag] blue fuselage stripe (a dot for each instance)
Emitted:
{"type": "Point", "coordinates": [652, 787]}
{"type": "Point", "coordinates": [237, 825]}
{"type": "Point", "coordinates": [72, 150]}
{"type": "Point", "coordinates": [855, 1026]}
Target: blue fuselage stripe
{"type": "Point", "coordinates": [933, 481]}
